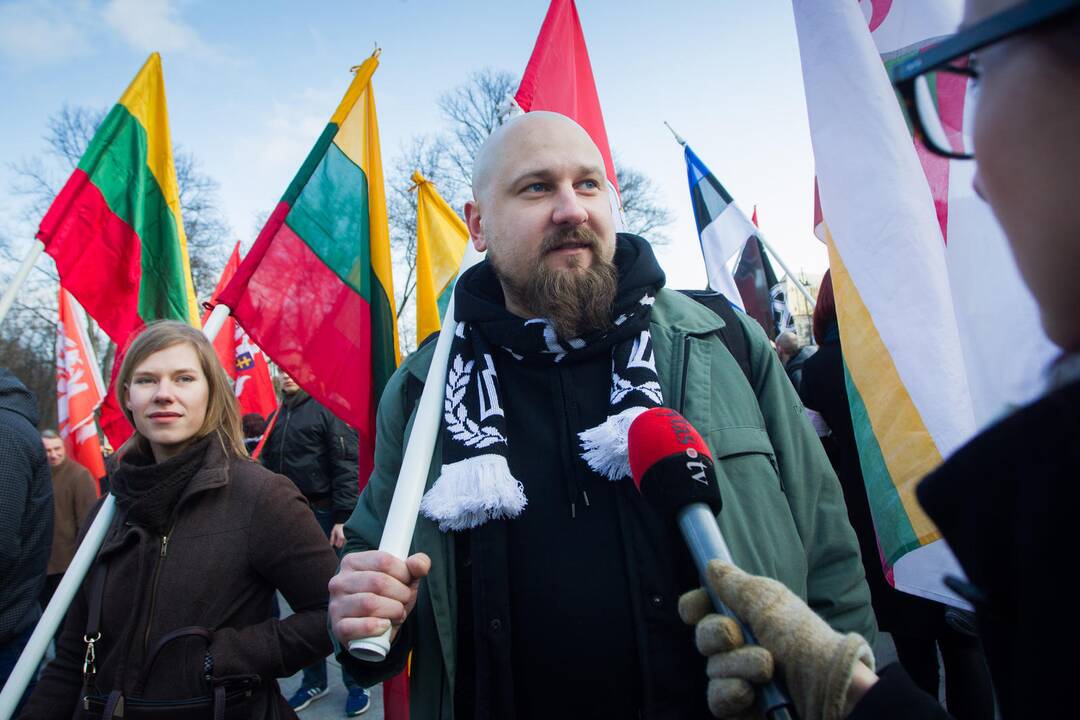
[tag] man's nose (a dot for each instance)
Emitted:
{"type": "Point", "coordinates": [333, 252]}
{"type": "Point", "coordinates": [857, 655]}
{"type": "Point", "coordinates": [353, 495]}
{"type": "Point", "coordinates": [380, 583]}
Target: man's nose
{"type": "Point", "coordinates": [569, 210]}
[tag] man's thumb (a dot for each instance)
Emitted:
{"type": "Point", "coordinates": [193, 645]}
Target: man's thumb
{"type": "Point", "coordinates": [419, 565]}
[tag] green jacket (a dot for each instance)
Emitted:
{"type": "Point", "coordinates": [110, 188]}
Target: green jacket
{"type": "Point", "coordinates": [783, 516]}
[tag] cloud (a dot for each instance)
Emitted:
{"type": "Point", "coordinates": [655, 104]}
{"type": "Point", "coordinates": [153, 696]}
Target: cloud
{"type": "Point", "coordinates": [44, 32]}
{"type": "Point", "coordinates": [152, 25]}
{"type": "Point", "coordinates": [49, 32]}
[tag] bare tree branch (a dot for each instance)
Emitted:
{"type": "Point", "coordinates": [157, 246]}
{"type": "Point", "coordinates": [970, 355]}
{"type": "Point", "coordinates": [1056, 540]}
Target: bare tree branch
{"type": "Point", "coordinates": [643, 213]}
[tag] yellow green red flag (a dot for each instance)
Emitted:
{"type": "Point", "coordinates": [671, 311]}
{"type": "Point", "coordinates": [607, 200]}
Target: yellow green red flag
{"type": "Point", "coordinates": [316, 290]}
{"type": "Point", "coordinates": [441, 237]}
{"type": "Point", "coordinates": [115, 230]}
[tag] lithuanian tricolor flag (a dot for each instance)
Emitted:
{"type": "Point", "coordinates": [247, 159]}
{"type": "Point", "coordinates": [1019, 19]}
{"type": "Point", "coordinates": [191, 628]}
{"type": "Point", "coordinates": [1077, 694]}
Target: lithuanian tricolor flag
{"type": "Point", "coordinates": [441, 237]}
{"type": "Point", "coordinates": [905, 371]}
{"type": "Point", "coordinates": [316, 292]}
{"type": "Point", "coordinates": [115, 230]}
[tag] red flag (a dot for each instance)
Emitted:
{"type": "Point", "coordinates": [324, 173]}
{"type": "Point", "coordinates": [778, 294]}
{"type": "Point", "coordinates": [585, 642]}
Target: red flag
{"type": "Point", "coordinates": [396, 696]}
{"type": "Point", "coordinates": [559, 78]}
{"type": "Point", "coordinates": [243, 361]}
{"type": "Point", "coordinates": [79, 388]}
{"type": "Point", "coordinates": [753, 218]}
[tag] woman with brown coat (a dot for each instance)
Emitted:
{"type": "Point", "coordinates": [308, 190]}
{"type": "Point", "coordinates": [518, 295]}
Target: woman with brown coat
{"type": "Point", "coordinates": [202, 538]}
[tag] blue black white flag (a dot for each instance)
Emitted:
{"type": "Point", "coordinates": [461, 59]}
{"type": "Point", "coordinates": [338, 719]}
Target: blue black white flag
{"type": "Point", "coordinates": [722, 227]}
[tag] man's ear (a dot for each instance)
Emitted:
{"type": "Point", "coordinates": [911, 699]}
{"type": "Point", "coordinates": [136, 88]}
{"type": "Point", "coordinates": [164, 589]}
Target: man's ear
{"type": "Point", "coordinates": [476, 229]}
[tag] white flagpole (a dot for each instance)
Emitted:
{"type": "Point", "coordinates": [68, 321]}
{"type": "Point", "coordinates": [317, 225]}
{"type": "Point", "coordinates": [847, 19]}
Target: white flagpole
{"type": "Point", "coordinates": [412, 478]}
{"type": "Point", "coordinates": [20, 278]}
{"type": "Point", "coordinates": [50, 620]}
{"type": "Point", "coordinates": [217, 319]}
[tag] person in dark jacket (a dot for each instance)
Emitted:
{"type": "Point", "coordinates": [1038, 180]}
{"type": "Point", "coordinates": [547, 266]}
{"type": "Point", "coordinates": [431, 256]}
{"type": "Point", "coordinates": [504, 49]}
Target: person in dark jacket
{"type": "Point", "coordinates": [74, 494]}
{"type": "Point", "coordinates": [202, 537]}
{"type": "Point", "coordinates": [918, 626]}
{"type": "Point", "coordinates": [254, 426]}
{"type": "Point", "coordinates": [793, 354]}
{"type": "Point", "coordinates": [26, 519]}
{"type": "Point", "coordinates": [1006, 501]}
{"type": "Point", "coordinates": [317, 451]}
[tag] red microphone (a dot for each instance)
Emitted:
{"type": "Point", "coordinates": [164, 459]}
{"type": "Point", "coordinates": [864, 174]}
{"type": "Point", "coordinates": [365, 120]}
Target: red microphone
{"type": "Point", "coordinates": [671, 464]}
{"type": "Point", "coordinates": [673, 469]}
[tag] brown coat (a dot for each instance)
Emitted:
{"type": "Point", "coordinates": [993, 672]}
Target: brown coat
{"type": "Point", "coordinates": [74, 493]}
{"type": "Point", "coordinates": [240, 532]}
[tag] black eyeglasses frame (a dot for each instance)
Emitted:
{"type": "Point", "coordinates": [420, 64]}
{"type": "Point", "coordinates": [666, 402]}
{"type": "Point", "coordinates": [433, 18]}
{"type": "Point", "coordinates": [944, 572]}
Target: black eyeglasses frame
{"type": "Point", "coordinates": [993, 29]}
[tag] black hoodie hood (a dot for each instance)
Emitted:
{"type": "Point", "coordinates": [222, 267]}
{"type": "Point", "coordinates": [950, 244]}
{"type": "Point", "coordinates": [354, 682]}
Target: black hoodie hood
{"type": "Point", "coordinates": [15, 397]}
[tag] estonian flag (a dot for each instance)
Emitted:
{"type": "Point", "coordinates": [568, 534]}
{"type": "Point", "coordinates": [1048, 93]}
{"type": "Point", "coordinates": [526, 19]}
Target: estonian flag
{"type": "Point", "coordinates": [721, 225]}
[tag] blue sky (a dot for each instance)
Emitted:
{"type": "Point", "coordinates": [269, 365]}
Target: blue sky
{"type": "Point", "coordinates": [250, 85]}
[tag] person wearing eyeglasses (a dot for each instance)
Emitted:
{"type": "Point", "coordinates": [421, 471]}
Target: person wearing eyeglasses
{"type": "Point", "coordinates": [1005, 501]}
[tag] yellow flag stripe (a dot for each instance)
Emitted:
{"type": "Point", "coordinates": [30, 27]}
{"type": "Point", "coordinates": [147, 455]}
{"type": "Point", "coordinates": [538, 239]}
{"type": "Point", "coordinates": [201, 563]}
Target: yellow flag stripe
{"type": "Point", "coordinates": [145, 101]}
{"type": "Point", "coordinates": [441, 237]}
{"type": "Point", "coordinates": [908, 449]}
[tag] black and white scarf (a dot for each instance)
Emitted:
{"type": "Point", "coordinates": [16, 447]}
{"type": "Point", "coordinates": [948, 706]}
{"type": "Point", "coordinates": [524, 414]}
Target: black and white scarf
{"type": "Point", "coordinates": [476, 482]}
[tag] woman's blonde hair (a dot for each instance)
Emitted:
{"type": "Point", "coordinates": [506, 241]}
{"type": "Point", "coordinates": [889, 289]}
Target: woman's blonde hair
{"type": "Point", "coordinates": [222, 413]}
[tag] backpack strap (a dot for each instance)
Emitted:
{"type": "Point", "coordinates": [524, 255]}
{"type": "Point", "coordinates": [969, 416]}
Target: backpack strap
{"type": "Point", "coordinates": [731, 334]}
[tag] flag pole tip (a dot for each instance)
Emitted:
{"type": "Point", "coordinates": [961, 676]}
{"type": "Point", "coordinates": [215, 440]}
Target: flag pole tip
{"type": "Point", "coordinates": [678, 138]}
{"type": "Point", "coordinates": [375, 54]}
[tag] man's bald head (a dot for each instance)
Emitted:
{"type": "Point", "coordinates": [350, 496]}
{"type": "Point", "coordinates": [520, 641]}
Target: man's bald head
{"type": "Point", "coordinates": [506, 145]}
{"type": "Point", "coordinates": [541, 209]}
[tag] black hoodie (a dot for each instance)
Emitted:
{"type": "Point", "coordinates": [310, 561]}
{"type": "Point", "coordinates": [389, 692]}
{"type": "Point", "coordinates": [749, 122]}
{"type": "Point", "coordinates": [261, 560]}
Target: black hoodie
{"type": "Point", "coordinates": [26, 508]}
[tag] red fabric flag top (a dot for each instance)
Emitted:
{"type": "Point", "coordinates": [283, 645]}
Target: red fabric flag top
{"type": "Point", "coordinates": [79, 388]}
{"type": "Point", "coordinates": [316, 290]}
{"type": "Point", "coordinates": [559, 78]}
{"type": "Point", "coordinates": [243, 361]}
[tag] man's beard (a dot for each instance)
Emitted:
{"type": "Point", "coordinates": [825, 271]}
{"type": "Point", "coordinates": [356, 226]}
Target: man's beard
{"type": "Point", "coordinates": [576, 302]}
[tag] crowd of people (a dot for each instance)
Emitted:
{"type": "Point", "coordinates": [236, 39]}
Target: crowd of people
{"type": "Point", "coordinates": [541, 582]}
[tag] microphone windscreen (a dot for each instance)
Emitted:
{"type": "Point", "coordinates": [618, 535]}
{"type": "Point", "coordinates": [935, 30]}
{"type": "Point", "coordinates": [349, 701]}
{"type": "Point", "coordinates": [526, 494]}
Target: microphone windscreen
{"type": "Point", "coordinates": [671, 464]}
{"type": "Point", "coordinates": [658, 433]}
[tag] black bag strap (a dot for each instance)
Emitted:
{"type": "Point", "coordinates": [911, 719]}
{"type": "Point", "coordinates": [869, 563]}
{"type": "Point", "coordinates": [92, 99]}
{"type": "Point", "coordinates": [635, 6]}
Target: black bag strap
{"type": "Point", "coordinates": [151, 658]}
{"type": "Point", "coordinates": [93, 627]}
{"type": "Point", "coordinates": [97, 592]}
{"type": "Point", "coordinates": [114, 706]}
{"type": "Point", "coordinates": [219, 702]}
{"type": "Point", "coordinates": [731, 334]}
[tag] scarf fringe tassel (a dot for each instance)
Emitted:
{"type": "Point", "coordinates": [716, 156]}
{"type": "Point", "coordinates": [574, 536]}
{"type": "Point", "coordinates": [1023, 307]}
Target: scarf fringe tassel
{"type": "Point", "coordinates": [605, 446]}
{"type": "Point", "coordinates": [472, 491]}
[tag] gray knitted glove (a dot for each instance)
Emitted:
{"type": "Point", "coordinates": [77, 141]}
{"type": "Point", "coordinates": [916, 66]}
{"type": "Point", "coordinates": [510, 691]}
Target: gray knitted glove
{"type": "Point", "coordinates": [817, 662]}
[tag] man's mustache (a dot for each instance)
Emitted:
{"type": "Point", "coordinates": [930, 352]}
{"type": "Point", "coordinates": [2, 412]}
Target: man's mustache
{"type": "Point", "coordinates": [578, 235]}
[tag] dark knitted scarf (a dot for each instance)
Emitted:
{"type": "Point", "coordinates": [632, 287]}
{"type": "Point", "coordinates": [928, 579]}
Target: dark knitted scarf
{"type": "Point", "coordinates": [475, 483]}
{"type": "Point", "coordinates": [148, 491]}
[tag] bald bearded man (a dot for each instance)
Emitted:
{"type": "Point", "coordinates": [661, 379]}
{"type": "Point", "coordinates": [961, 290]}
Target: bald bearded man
{"type": "Point", "coordinates": [548, 578]}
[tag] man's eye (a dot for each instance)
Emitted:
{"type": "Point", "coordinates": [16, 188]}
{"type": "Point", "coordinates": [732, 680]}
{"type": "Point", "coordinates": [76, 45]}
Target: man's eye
{"type": "Point", "coordinates": [536, 187]}
{"type": "Point", "coordinates": [591, 185]}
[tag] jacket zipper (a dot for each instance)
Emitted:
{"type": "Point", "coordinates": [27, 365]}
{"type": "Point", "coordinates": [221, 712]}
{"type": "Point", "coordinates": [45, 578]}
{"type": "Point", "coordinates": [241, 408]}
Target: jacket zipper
{"type": "Point", "coordinates": [685, 371]}
{"type": "Point", "coordinates": [153, 589]}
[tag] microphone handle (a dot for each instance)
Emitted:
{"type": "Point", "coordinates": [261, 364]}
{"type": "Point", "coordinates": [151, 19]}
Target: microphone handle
{"type": "Point", "coordinates": [702, 534]}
